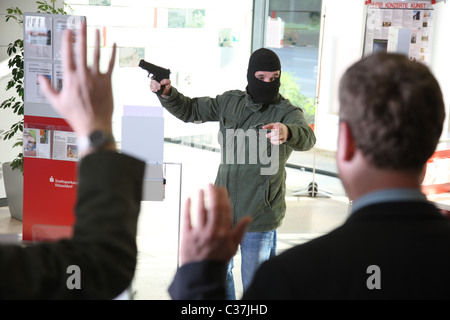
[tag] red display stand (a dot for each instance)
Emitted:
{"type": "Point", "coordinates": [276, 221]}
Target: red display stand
{"type": "Point", "coordinates": [49, 146]}
{"type": "Point", "coordinates": [50, 188]}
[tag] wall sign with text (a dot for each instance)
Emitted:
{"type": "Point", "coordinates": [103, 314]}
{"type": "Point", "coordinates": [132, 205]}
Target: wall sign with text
{"type": "Point", "coordinates": [400, 26]}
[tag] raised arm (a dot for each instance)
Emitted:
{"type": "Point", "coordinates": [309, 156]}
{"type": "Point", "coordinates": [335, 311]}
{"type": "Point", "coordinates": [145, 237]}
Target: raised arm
{"type": "Point", "coordinates": [101, 255]}
{"type": "Point", "coordinates": [207, 247]}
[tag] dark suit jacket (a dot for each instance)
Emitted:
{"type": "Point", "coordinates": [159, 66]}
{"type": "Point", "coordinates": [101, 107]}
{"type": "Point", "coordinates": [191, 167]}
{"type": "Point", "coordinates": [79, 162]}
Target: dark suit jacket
{"type": "Point", "coordinates": [409, 242]}
{"type": "Point", "coordinates": [103, 245]}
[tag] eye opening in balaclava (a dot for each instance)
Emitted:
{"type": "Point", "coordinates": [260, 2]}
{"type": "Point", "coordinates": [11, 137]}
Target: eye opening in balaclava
{"type": "Point", "coordinates": [263, 60]}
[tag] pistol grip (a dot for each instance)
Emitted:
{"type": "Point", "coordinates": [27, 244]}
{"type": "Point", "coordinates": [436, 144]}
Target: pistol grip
{"type": "Point", "coordinates": [161, 90]}
{"type": "Point", "coordinates": [159, 79]}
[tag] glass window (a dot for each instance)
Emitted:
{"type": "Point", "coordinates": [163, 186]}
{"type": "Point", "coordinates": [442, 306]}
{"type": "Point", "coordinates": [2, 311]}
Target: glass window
{"type": "Point", "coordinates": [293, 31]}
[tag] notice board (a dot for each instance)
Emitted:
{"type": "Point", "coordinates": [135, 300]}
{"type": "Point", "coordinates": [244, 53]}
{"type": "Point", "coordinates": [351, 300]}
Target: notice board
{"type": "Point", "coordinates": [388, 23]}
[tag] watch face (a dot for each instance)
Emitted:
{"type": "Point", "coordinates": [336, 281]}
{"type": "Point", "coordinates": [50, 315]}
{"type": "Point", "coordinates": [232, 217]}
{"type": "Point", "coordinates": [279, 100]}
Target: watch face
{"type": "Point", "coordinates": [97, 138]}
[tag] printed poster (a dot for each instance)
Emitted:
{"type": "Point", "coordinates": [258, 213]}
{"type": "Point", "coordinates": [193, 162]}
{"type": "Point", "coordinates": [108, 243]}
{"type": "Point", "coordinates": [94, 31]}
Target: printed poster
{"type": "Point", "coordinates": [416, 16]}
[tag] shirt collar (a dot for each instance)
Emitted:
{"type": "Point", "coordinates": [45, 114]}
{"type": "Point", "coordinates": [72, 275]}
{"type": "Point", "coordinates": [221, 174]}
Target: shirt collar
{"type": "Point", "coordinates": [389, 195]}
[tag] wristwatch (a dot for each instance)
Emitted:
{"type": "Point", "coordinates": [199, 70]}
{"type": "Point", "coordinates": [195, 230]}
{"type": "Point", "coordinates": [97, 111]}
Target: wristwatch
{"type": "Point", "coordinates": [97, 140]}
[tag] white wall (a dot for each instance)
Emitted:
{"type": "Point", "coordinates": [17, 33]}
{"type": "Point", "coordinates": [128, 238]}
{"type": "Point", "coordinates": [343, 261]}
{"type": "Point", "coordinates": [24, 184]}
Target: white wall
{"type": "Point", "coordinates": [341, 45]}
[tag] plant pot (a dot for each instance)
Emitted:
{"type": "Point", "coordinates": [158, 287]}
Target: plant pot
{"type": "Point", "coordinates": [14, 190]}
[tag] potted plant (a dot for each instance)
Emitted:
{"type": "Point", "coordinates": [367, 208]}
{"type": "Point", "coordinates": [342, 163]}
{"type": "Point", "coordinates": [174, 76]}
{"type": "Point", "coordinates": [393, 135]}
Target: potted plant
{"type": "Point", "coordinates": [13, 171]}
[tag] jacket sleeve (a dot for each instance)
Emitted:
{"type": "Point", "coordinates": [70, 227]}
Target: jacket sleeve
{"type": "Point", "coordinates": [103, 246]}
{"type": "Point", "coordinates": [187, 109]}
{"type": "Point", "coordinates": [204, 280]}
{"type": "Point", "coordinates": [302, 137]}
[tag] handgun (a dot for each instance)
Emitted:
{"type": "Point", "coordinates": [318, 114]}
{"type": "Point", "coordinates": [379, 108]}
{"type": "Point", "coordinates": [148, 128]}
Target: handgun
{"type": "Point", "coordinates": [158, 73]}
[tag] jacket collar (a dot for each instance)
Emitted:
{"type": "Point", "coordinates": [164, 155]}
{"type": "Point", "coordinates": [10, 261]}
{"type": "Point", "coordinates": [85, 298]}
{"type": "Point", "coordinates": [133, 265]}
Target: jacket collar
{"type": "Point", "coordinates": [389, 195]}
{"type": "Point", "coordinates": [258, 106]}
{"type": "Point", "coordinates": [396, 210]}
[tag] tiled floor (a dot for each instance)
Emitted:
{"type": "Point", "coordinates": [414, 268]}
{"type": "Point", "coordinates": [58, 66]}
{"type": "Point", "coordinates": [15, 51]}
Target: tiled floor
{"type": "Point", "coordinates": [157, 238]}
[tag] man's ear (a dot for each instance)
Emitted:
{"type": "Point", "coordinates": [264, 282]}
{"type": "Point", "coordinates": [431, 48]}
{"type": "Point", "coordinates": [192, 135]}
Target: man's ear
{"type": "Point", "coordinates": [346, 143]}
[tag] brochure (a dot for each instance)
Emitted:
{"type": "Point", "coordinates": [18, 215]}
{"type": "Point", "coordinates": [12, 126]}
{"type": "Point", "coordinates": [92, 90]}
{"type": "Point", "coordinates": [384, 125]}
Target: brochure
{"type": "Point", "coordinates": [32, 71]}
{"type": "Point", "coordinates": [65, 146]}
{"type": "Point", "coordinates": [38, 37]}
{"type": "Point", "coordinates": [36, 143]}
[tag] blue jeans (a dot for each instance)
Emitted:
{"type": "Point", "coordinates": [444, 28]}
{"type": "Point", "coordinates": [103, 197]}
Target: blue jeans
{"type": "Point", "coordinates": [256, 248]}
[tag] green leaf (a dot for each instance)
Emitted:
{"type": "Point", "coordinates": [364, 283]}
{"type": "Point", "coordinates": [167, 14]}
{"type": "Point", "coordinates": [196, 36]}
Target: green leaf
{"type": "Point", "coordinates": [18, 144]}
{"type": "Point", "coordinates": [17, 163]}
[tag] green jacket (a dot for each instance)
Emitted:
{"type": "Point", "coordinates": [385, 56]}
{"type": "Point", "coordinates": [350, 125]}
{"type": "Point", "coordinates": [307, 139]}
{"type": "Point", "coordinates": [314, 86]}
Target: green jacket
{"type": "Point", "coordinates": [252, 169]}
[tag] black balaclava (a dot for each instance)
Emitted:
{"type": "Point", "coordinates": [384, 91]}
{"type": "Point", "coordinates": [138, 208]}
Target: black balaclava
{"type": "Point", "coordinates": [260, 91]}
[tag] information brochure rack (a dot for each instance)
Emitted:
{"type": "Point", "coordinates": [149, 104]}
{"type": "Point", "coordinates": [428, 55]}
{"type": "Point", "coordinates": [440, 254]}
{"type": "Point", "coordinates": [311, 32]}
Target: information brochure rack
{"type": "Point", "coordinates": [49, 143]}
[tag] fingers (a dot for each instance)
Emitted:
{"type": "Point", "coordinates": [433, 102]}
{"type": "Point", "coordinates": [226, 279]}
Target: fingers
{"type": "Point", "coordinates": [225, 212]}
{"type": "Point", "coordinates": [213, 237]}
{"type": "Point", "coordinates": [187, 225]}
{"type": "Point", "coordinates": [213, 205]}
{"type": "Point", "coordinates": [201, 209]}
{"type": "Point", "coordinates": [167, 88]}
{"type": "Point", "coordinates": [47, 89]}
{"type": "Point", "coordinates": [220, 216]}
{"type": "Point", "coordinates": [96, 63]}
{"type": "Point", "coordinates": [274, 136]}
{"type": "Point", "coordinates": [165, 82]}
{"type": "Point", "coordinates": [81, 50]}
{"type": "Point", "coordinates": [275, 133]}
{"type": "Point", "coordinates": [112, 61]}
{"type": "Point", "coordinates": [67, 51]}
{"type": "Point", "coordinates": [279, 132]}
{"type": "Point", "coordinates": [155, 86]}
{"type": "Point", "coordinates": [269, 126]}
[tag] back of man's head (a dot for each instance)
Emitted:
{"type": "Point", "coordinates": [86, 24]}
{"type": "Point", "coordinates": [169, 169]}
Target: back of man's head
{"type": "Point", "coordinates": [395, 110]}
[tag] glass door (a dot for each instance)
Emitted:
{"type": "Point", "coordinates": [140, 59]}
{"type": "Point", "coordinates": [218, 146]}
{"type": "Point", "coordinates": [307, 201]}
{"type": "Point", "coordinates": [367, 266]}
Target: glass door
{"type": "Point", "coordinates": [316, 201]}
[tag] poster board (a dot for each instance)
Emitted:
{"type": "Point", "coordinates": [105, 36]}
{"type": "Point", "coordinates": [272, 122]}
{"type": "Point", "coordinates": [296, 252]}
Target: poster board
{"type": "Point", "coordinates": [49, 144]}
{"type": "Point", "coordinates": [384, 20]}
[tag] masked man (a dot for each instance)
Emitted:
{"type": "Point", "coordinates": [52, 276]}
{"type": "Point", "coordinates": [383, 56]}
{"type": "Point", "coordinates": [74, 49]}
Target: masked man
{"type": "Point", "coordinates": [259, 129]}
